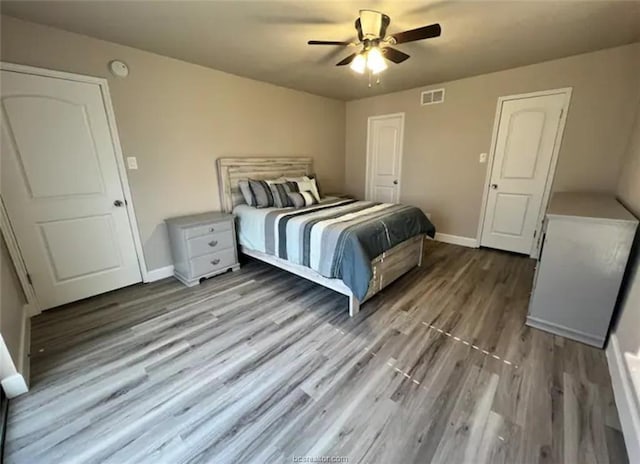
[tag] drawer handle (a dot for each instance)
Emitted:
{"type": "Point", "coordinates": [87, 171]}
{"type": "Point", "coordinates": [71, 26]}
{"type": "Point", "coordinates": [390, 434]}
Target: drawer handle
{"type": "Point", "coordinates": [213, 243]}
{"type": "Point", "coordinates": [215, 261]}
{"type": "Point", "coordinates": [211, 229]}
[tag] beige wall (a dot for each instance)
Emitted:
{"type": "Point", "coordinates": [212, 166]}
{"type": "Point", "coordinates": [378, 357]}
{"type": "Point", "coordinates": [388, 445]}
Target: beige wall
{"type": "Point", "coordinates": [629, 183]}
{"type": "Point", "coordinates": [12, 301]}
{"type": "Point", "coordinates": [441, 173]}
{"type": "Point", "coordinates": [628, 326]}
{"type": "Point", "coordinates": [177, 118]}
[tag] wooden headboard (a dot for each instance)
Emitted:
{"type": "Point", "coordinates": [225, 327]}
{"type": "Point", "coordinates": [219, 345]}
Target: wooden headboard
{"type": "Point", "coordinates": [231, 170]}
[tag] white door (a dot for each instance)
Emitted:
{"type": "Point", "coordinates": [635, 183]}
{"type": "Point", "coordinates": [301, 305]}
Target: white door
{"type": "Point", "coordinates": [528, 130]}
{"type": "Point", "coordinates": [62, 190]}
{"type": "Point", "coordinates": [384, 158]}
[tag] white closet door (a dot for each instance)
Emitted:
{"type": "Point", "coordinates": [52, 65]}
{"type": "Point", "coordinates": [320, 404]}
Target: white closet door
{"type": "Point", "coordinates": [527, 134]}
{"type": "Point", "coordinates": [62, 189]}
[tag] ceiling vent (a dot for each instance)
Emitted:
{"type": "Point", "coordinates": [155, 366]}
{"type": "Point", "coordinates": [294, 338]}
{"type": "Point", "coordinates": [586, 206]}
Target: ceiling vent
{"type": "Point", "coordinates": [431, 97]}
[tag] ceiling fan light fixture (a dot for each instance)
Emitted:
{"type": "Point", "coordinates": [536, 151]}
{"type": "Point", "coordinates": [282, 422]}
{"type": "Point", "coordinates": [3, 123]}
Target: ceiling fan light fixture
{"type": "Point", "coordinates": [375, 61]}
{"type": "Point", "coordinates": [359, 63]}
{"type": "Point", "coordinates": [371, 22]}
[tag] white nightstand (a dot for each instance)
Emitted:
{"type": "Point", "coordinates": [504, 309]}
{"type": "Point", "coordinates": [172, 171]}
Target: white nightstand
{"type": "Point", "coordinates": [202, 245]}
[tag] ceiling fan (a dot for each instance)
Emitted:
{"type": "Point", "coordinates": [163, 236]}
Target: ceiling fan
{"type": "Point", "coordinates": [376, 45]}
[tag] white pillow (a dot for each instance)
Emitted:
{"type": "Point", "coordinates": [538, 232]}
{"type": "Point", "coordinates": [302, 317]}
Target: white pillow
{"type": "Point", "coordinates": [305, 183]}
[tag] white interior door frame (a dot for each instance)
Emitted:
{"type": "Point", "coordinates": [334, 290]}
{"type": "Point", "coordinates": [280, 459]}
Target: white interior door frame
{"type": "Point", "coordinates": [124, 181]}
{"type": "Point", "coordinates": [552, 167]}
{"type": "Point", "coordinates": [18, 261]}
{"type": "Point", "coordinates": [369, 165]}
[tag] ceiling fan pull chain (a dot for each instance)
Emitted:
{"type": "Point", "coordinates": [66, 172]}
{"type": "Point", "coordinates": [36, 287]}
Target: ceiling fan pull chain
{"type": "Point", "coordinates": [370, 79]}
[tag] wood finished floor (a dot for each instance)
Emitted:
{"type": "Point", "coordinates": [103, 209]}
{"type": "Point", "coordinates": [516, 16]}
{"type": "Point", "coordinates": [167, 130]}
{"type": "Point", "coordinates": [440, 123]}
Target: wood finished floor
{"type": "Point", "coordinates": [261, 366]}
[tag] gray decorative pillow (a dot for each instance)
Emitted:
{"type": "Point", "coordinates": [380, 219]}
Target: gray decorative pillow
{"type": "Point", "coordinates": [280, 191]}
{"type": "Point", "coordinates": [249, 199]}
{"type": "Point", "coordinates": [300, 199]}
{"type": "Point", "coordinates": [293, 186]}
{"type": "Point", "coordinates": [305, 183]}
{"type": "Point", "coordinates": [261, 192]}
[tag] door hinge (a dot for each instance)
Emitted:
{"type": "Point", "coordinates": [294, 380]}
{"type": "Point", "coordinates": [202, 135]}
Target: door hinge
{"type": "Point", "coordinates": [561, 113]}
{"type": "Point", "coordinates": [535, 232]}
{"type": "Point", "coordinates": [29, 279]}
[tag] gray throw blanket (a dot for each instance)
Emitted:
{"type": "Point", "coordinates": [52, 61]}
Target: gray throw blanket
{"type": "Point", "coordinates": [338, 238]}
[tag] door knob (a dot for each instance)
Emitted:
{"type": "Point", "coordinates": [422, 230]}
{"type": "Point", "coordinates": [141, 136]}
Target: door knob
{"type": "Point", "coordinates": [395, 182]}
{"type": "Point", "coordinates": [118, 203]}
{"type": "Point", "coordinates": [494, 186]}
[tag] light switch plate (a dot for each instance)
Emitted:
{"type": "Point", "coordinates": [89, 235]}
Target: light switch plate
{"type": "Point", "coordinates": [483, 157]}
{"type": "Point", "coordinates": [132, 162]}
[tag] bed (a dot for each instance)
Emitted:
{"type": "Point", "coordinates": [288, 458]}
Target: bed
{"type": "Point", "coordinates": [301, 241]}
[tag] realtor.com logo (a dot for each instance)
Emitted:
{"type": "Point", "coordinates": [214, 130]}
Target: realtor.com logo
{"type": "Point", "coordinates": [322, 459]}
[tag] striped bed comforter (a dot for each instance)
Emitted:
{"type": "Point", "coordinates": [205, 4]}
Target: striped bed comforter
{"type": "Point", "coordinates": [338, 238]}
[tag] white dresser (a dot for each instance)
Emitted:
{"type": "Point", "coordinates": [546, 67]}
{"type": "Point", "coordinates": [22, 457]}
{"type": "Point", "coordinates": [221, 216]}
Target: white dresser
{"type": "Point", "coordinates": [202, 245]}
{"type": "Point", "coordinates": [586, 244]}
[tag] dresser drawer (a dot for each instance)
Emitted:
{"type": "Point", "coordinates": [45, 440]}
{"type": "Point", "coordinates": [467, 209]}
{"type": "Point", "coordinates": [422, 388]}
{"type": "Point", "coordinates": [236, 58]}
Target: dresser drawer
{"type": "Point", "coordinates": [212, 262]}
{"type": "Point", "coordinates": [204, 229]}
{"type": "Point", "coordinates": [210, 243]}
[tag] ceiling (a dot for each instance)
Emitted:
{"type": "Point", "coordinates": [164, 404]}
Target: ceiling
{"type": "Point", "coordinates": [267, 40]}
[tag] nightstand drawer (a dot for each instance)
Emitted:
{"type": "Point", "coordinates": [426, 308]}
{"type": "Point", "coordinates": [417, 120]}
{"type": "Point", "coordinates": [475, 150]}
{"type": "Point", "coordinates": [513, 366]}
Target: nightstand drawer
{"type": "Point", "coordinates": [207, 229]}
{"type": "Point", "coordinates": [205, 264]}
{"type": "Point", "coordinates": [210, 243]}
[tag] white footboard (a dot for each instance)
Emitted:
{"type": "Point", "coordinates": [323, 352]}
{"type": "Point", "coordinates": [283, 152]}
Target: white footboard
{"type": "Point", "coordinates": [389, 266]}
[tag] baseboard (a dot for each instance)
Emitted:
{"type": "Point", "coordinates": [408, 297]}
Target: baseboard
{"type": "Point", "coordinates": [626, 403]}
{"type": "Point", "coordinates": [31, 310]}
{"type": "Point", "coordinates": [457, 240]}
{"type": "Point", "coordinates": [566, 332]}
{"type": "Point", "coordinates": [159, 274]}
{"type": "Point", "coordinates": [14, 385]}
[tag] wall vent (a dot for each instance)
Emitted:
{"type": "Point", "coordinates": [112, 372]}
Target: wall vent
{"type": "Point", "coordinates": [431, 97]}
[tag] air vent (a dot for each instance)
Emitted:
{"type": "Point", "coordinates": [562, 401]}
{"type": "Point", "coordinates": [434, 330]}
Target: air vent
{"type": "Point", "coordinates": [431, 97]}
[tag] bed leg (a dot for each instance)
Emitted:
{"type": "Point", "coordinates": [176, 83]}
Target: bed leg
{"type": "Point", "coordinates": [354, 306]}
{"type": "Point", "coordinates": [421, 251]}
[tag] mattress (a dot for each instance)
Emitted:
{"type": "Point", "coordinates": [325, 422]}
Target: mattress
{"type": "Point", "coordinates": [250, 224]}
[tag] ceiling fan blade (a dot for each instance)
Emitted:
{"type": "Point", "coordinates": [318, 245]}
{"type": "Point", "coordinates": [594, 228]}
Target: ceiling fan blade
{"type": "Point", "coordinates": [359, 29]}
{"type": "Point", "coordinates": [328, 42]}
{"type": "Point", "coordinates": [394, 55]}
{"type": "Point", "coordinates": [426, 32]}
{"type": "Point", "coordinates": [347, 60]}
